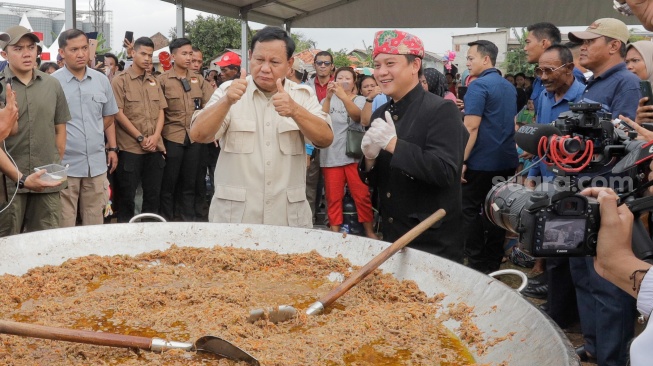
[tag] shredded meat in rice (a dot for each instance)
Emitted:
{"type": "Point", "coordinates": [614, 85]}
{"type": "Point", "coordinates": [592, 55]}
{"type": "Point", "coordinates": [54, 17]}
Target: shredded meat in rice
{"type": "Point", "coordinates": [184, 293]}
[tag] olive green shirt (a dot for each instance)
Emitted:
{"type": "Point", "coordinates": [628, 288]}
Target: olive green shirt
{"type": "Point", "coordinates": [41, 105]}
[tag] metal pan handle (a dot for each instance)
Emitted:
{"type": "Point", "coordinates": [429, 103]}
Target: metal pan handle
{"type": "Point", "coordinates": [524, 279]}
{"type": "Point", "coordinates": [145, 216]}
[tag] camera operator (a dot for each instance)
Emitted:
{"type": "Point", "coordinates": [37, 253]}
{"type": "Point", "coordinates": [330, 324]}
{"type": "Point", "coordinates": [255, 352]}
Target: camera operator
{"type": "Point", "coordinates": [616, 263]}
{"type": "Point", "coordinates": [607, 314]}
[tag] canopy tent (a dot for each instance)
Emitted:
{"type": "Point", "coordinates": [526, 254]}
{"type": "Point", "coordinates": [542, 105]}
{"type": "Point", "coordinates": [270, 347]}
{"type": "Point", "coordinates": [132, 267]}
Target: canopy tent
{"type": "Point", "coordinates": [402, 13]}
{"type": "Point", "coordinates": [24, 22]}
{"type": "Point", "coordinates": [54, 47]}
{"type": "Point", "coordinates": [410, 13]}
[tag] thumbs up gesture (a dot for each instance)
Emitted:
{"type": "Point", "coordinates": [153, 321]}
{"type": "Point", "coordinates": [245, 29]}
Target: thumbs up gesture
{"type": "Point", "coordinates": [282, 102]}
{"type": "Point", "coordinates": [382, 132]}
{"type": "Point", "coordinates": [237, 88]}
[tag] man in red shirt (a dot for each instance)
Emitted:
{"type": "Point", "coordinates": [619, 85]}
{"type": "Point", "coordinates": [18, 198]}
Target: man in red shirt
{"type": "Point", "coordinates": [324, 73]}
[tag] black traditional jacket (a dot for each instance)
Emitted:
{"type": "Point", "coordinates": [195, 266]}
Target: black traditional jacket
{"type": "Point", "coordinates": [423, 174]}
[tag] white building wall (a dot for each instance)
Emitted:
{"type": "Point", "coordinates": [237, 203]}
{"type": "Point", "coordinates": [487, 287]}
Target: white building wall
{"type": "Point", "coordinates": [499, 38]}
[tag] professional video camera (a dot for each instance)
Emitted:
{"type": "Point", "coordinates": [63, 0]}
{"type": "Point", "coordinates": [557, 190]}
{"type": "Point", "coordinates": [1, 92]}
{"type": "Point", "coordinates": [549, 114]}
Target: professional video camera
{"type": "Point", "coordinates": [582, 140]}
{"type": "Point", "coordinates": [580, 146]}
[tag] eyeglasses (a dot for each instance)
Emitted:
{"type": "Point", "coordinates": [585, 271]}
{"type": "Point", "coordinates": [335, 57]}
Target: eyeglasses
{"type": "Point", "coordinates": [539, 71]}
{"type": "Point", "coordinates": [325, 63]}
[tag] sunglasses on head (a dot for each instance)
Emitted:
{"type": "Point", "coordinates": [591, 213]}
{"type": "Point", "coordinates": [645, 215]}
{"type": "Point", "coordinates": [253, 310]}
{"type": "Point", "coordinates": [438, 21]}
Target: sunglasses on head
{"type": "Point", "coordinates": [539, 71]}
{"type": "Point", "coordinates": [325, 63]}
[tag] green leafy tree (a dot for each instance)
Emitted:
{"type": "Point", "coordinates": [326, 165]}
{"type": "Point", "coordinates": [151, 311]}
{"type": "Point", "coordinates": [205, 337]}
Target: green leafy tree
{"type": "Point", "coordinates": [634, 37]}
{"type": "Point", "coordinates": [340, 58]}
{"type": "Point", "coordinates": [367, 60]}
{"type": "Point", "coordinates": [301, 42]}
{"type": "Point", "coordinates": [212, 34]}
{"type": "Point", "coordinates": [101, 45]}
{"type": "Point", "coordinates": [515, 60]}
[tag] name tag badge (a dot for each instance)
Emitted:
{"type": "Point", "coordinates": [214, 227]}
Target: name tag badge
{"type": "Point", "coordinates": [194, 80]}
{"type": "Point", "coordinates": [152, 83]}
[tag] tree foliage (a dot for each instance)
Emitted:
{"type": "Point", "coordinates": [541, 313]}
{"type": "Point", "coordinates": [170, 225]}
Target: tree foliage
{"type": "Point", "coordinates": [102, 47]}
{"type": "Point", "coordinates": [301, 42]}
{"type": "Point", "coordinates": [366, 60]}
{"type": "Point", "coordinates": [340, 58]}
{"type": "Point", "coordinates": [634, 37]}
{"type": "Point", "coordinates": [212, 34]}
{"type": "Point", "coordinates": [515, 60]}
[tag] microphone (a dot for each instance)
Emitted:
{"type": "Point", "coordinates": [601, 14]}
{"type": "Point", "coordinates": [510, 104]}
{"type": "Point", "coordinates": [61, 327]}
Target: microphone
{"type": "Point", "coordinates": [528, 136]}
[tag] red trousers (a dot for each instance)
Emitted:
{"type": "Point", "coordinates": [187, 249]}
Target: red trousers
{"type": "Point", "coordinates": [334, 187]}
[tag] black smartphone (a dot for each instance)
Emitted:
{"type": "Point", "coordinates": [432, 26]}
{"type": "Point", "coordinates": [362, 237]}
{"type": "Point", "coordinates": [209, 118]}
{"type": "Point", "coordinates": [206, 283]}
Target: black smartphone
{"type": "Point", "coordinates": [462, 90]}
{"type": "Point", "coordinates": [186, 85]}
{"type": "Point", "coordinates": [129, 35]}
{"type": "Point", "coordinates": [91, 35]}
{"type": "Point", "coordinates": [645, 89]}
{"type": "Point", "coordinates": [99, 58]}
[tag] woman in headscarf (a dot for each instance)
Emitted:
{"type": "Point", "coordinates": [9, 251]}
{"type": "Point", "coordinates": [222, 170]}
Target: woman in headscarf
{"type": "Point", "coordinates": [639, 60]}
{"type": "Point", "coordinates": [435, 82]}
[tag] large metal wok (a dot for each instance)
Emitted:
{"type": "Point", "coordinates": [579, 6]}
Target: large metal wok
{"type": "Point", "coordinates": [500, 310]}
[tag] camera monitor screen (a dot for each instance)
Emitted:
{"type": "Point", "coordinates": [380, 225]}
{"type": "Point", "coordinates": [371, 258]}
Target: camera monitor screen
{"type": "Point", "coordinates": [564, 234]}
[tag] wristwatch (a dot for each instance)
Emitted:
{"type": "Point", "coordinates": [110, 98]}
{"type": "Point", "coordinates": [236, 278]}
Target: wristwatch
{"type": "Point", "coordinates": [369, 100]}
{"type": "Point", "coordinates": [114, 149]}
{"type": "Point", "coordinates": [140, 138]}
{"type": "Point", "coordinates": [21, 181]}
{"type": "Point", "coordinates": [622, 7]}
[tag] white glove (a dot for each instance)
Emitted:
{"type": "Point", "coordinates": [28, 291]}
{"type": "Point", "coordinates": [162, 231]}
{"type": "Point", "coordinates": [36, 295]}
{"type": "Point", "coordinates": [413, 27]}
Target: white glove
{"type": "Point", "coordinates": [370, 150]}
{"type": "Point", "coordinates": [382, 132]}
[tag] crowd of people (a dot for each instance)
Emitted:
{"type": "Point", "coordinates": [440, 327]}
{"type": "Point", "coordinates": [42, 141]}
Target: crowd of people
{"type": "Point", "coordinates": [272, 139]}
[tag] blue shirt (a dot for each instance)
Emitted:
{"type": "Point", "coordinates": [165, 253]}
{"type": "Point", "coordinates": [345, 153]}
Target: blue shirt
{"type": "Point", "coordinates": [580, 76]}
{"type": "Point", "coordinates": [494, 99]}
{"type": "Point", "coordinates": [378, 101]}
{"type": "Point", "coordinates": [89, 100]}
{"type": "Point", "coordinates": [617, 90]}
{"type": "Point", "coordinates": [549, 111]}
{"type": "Point", "coordinates": [537, 91]}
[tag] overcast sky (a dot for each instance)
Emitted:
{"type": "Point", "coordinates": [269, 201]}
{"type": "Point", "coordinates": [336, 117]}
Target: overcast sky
{"type": "Point", "coordinates": [146, 17]}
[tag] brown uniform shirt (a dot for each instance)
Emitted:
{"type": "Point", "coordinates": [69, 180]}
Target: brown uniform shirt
{"type": "Point", "coordinates": [41, 105]}
{"type": "Point", "coordinates": [181, 104]}
{"type": "Point", "coordinates": [141, 99]}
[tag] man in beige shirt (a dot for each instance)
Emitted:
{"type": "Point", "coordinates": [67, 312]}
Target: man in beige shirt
{"type": "Point", "coordinates": [262, 122]}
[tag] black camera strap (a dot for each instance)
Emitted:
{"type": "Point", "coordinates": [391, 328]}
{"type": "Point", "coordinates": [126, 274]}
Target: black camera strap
{"type": "Point", "coordinates": [638, 204]}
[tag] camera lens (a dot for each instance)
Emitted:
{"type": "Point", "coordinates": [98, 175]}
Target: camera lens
{"type": "Point", "coordinates": [505, 202]}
